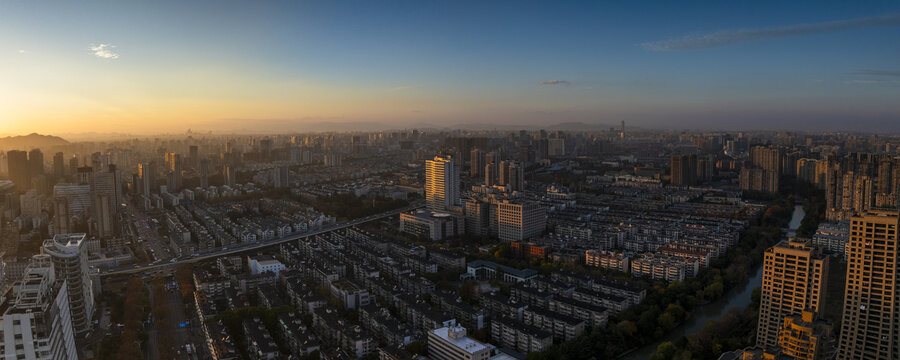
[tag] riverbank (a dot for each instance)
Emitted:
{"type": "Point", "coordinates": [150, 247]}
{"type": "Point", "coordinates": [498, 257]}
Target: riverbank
{"type": "Point", "coordinates": [737, 297]}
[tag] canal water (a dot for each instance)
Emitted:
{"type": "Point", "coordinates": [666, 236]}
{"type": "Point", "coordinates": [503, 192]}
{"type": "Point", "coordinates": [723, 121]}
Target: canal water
{"type": "Point", "coordinates": [738, 296]}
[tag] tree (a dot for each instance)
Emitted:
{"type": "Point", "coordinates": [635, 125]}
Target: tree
{"type": "Point", "coordinates": [627, 327]}
{"type": "Point", "coordinates": [664, 351]}
{"type": "Point", "coordinates": [417, 348]}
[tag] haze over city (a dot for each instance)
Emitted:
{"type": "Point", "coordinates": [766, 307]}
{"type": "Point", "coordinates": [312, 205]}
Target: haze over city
{"type": "Point", "coordinates": [231, 66]}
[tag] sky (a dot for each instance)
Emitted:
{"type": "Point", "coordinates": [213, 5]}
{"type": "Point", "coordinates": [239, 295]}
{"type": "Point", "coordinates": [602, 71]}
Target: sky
{"type": "Point", "coordinates": [169, 66]}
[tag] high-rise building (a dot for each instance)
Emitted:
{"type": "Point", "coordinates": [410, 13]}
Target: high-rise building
{"type": "Point", "coordinates": [476, 163]}
{"type": "Point", "coordinates": [684, 170]}
{"type": "Point", "coordinates": [30, 203]}
{"type": "Point", "coordinates": [59, 166]}
{"type": "Point", "coordinates": [767, 158]}
{"type": "Point", "coordinates": [760, 180]}
{"type": "Point", "coordinates": [869, 326]}
{"type": "Point", "coordinates": [106, 194]}
{"type": "Point", "coordinates": [62, 220]}
{"type": "Point", "coordinates": [73, 166]}
{"type": "Point", "coordinates": [204, 173]}
{"type": "Point", "coordinates": [229, 174]}
{"type": "Point", "coordinates": [37, 325]}
{"type": "Point", "coordinates": [78, 198]}
{"type": "Point", "coordinates": [70, 261]}
{"type": "Point", "coordinates": [503, 173]}
{"type": "Point", "coordinates": [441, 184]}
{"type": "Point", "coordinates": [147, 173]}
{"type": "Point", "coordinates": [19, 171]}
{"type": "Point", "coordinates": [85, 175]}
{"type": "Point", "coordinates": [518, 220]}
{"type": "Point", "coordinates": [478, 221]}
{"type": "Point", "coordinates": [193, 156]}
{"type": "Point", "coordinates": [556, 147]}
{"type": "Point", "coordinates": [516, 176]}
{"type": "Point", "coordinates": [490, 174]}
{"type": "Point", "coordinates": [35, 162]}
{"type": "Point", "coordinates": [794, 278]}
{"type": "Point", "coordinates": [281, 176]}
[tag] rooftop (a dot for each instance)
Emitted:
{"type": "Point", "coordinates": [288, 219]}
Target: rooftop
{"type": "Point", "coordinates": [465, 343]}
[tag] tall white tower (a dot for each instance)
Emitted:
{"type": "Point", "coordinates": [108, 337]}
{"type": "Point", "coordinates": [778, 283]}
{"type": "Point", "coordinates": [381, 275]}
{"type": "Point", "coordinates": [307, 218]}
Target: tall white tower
{"type": "Point", "coordinates": [70, 259]}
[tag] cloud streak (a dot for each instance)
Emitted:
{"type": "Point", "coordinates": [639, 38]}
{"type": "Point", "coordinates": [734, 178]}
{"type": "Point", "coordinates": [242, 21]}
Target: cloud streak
{"type": "Point", "coordinates": [878, 72]}
{"type": "Point", "coordinates": [104, 51]}
{"type": "Point", "coordinates": [555, 82]}
{"type": "Point", "coordinates": [728, 37]}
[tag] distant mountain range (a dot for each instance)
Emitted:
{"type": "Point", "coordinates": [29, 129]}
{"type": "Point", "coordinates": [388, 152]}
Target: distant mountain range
{"type": "Point", "coordinates": [30, 141]}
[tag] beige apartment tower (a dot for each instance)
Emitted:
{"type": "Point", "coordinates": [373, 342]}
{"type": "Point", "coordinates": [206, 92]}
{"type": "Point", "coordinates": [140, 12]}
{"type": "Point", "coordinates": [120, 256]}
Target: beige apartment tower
{"type": "Point", "coordinates": [794, 278]}
{"type": "Point", "coordinates": [441, 184]}
{"type": "Point", "coordinates": [870, 328]}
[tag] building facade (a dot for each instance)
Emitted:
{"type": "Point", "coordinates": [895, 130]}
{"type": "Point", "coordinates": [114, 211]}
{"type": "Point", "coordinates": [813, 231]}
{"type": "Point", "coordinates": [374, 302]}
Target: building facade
{"type": "Point", "coordinates": [869, 327]}
{"type": "Point", "coordinates": [70, 261]}
{"type": "Point", "coordinates": [441, 184]}
{"type": "Point", "coordinates": [794, 278]}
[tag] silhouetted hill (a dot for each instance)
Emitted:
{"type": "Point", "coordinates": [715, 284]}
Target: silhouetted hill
{"type": "Point", "coordinates": [30, 141]}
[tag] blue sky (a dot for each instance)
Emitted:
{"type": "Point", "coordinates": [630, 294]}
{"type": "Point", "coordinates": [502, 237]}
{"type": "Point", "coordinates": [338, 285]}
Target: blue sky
{"type": "Point", "coordinates": [209, 65]}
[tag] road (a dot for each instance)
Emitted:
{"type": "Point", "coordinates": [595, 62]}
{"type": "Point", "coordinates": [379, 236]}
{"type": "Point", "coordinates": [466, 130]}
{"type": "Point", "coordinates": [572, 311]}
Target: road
{"type": "Point", "coordinates": [217, 252]}
{"type": "Point", "coordinates": [147, 236]}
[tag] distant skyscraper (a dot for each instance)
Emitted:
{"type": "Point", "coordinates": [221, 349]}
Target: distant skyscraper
{"type": "Point", "coordinates": [684, 170]}
{"type": "Point", "coordinates": [19, 171]}
{"type": "Point", "coordinates": [490, 174]}
{"type": "Point", "coordinates": [230, 176]}
{"type": "Point", "coordinates": [794, 278]}
{"type": "Point", "coordinates": [556, 147]}
{"type": "Point", "coordinates": [441, 184]}
{"type": "Point", "coordinates": [62, 220]}
{"type": "Point", "coordinates": [147, 173]}
{"type": "Point", "coordinates": [503, 173]}
{"type": "Point", "coordinates": [36, 162]}
{"type": "Point", "coordinates": [70, 261]}
{"type": "Point", "coordinates": [30, 203]}
{"type": "Point", "coordinates": [177, 170]}
{"type": "Point", "coordinates": [869, 327]}
{"type": "Point", "coordinates": [476, 163]}
{"type": "Point", "coordinates": [106, 193]}
{"type": "Point", "coordinates": [85, 175]}
{"type": "Point", "coordinates": [73, 166]}
{"type": "Point", "coordinates": [516, 176]}
{"type": "Point", "coordinates": [281, 176]}
{"type": "Point", "coordinates": [59, 166]}
{"type": "Point", "coordinates": [204, 173]}
{"type": "Point", "coordinates": [194, 156]}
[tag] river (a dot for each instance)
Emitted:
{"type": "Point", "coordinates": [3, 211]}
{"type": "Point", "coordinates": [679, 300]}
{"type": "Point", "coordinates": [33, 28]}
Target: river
{"type": "Point", "coordinates": [738, 296]}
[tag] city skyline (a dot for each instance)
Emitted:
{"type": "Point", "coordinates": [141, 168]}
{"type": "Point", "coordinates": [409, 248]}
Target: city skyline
{"type": "Point", "coordinates": [241, 67]}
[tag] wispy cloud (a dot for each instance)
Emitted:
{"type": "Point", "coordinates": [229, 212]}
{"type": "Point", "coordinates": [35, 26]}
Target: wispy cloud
{"type": "Point", "coordinates": [728, 37]}
{"type": "Point", "coordinates": [555, 82]}
{"type": "Point", "coordinates": [878, 72]}
{"type": "Point", "coordinates": [873, 81]}
{"type": "Point", "coordinates": [22, 51]}
{"type": "Point", "coordinates": [104, 51]}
